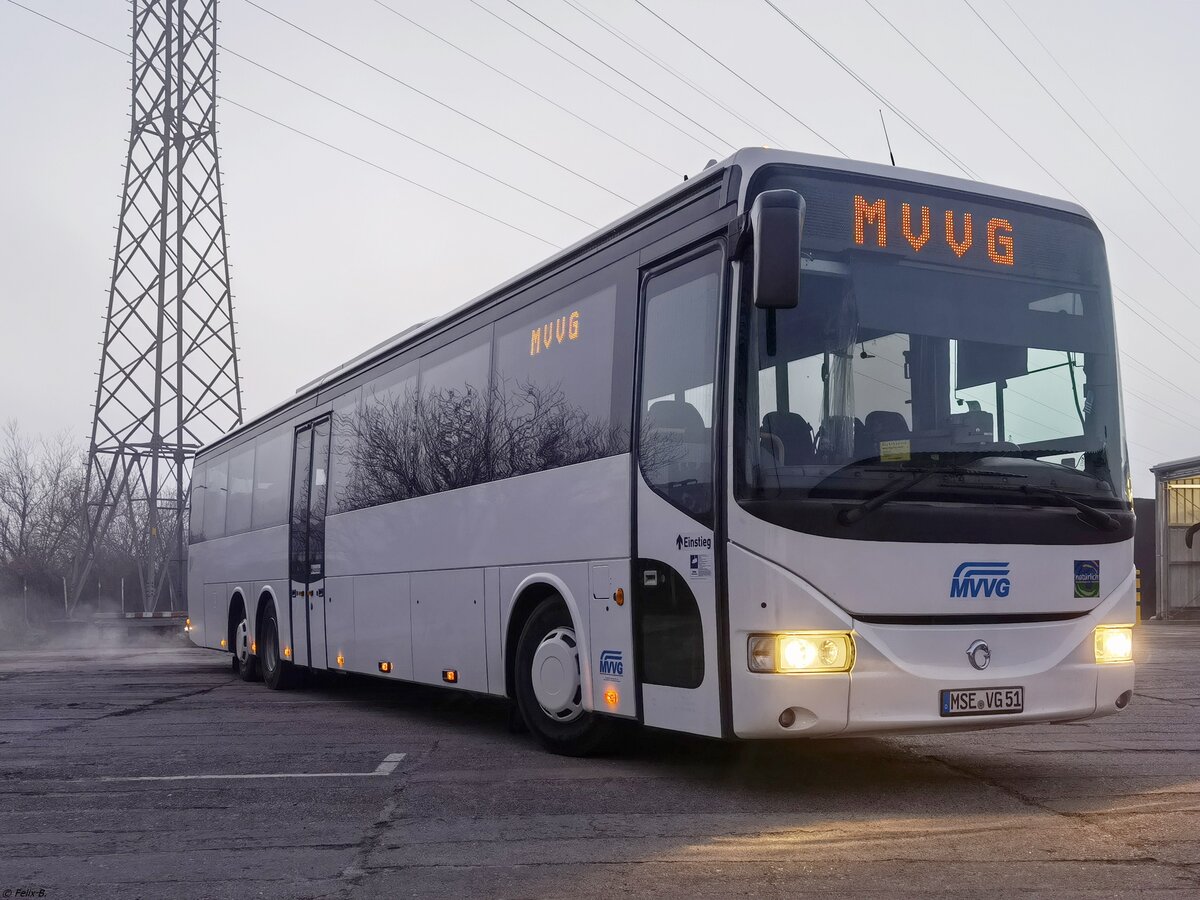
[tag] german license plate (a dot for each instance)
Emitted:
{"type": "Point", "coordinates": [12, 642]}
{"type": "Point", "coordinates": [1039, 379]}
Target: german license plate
{"type": "Point", "coordinates": [982, 701]}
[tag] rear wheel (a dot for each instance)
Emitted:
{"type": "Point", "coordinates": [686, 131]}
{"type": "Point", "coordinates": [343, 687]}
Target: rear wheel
{"type": "Point", "coordinates": [278, 674]}
{"type": "Point", "coordinates": [247, 662]}
{"type": "Point", "coordinates": [549, 687]}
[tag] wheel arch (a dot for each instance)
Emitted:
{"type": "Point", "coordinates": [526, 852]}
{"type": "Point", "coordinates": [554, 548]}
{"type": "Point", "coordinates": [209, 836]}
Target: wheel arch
{"type": "Point", "coordinates": [237, 602]}
{"type": "Point", "coordinates": [525, 599]}
{"type": "Point", "coordinates": [266, 597]}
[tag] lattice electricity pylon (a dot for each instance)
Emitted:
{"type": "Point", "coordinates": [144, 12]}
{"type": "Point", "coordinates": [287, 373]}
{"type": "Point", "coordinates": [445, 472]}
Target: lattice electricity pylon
{"type": "Point", "coordinates": [169, 370]}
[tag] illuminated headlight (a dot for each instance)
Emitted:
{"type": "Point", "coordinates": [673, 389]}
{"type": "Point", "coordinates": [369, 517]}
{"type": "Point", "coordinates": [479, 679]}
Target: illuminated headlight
{"type": "Point", "coordinates": [807, 651]}
{"type": "Point", "coordinates": [1114, 643]}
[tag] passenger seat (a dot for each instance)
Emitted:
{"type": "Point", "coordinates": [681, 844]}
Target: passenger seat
{"type": "Point", "coordinates": [794, 433]}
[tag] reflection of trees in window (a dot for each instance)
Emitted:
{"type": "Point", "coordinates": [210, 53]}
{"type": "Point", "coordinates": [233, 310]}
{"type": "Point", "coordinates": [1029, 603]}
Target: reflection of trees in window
{"type": "Point", "coordinates": [534, 427]}
{"type": "Point", "coordinates": [413, 444]}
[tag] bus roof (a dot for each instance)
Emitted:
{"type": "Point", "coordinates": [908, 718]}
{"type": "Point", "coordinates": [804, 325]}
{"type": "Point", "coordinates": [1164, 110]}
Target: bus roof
{"type": "Point", "coordinates": [748, 160]}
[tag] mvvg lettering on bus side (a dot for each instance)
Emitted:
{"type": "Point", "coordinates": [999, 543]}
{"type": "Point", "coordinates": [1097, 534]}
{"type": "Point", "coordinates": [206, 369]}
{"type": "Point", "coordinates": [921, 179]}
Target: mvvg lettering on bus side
{"type": "Point", "coordinates": [561, 330]}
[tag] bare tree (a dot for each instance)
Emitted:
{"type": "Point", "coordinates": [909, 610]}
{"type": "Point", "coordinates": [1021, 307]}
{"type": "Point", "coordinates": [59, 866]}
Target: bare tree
{"type": "Point", "coordinates": [415, 444]}
{"type": "Point", "coordinates": [41, 499]}
{"type": "Point", "coordinates": [18, 496]}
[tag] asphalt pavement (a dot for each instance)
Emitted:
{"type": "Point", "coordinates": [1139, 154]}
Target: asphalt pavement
{"type": "Point", "coordinates": [132, 772]}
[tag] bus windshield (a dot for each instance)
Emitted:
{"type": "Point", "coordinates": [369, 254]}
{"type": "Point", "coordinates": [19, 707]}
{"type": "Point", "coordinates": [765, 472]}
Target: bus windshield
{"type": "Point", "coordinates": [896, 359]}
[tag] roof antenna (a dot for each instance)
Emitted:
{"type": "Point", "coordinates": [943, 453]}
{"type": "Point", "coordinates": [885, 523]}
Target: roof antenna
{"type": "Point", "coordinates": [891, 155]}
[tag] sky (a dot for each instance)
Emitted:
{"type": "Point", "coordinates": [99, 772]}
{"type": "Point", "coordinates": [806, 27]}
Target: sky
{"type": "Point", "coordinates": [330, 255]}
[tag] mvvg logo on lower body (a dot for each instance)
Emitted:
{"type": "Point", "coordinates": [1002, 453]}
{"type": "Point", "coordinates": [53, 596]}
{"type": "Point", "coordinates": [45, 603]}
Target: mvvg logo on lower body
{"type": "Point", "coordinates": [972, 579]}
{"type": "Point", "coordinates": [611, 663]}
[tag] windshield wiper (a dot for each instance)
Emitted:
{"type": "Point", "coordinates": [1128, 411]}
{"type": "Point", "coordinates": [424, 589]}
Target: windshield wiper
{"type": "Point", "coordinates": [852, 514]}
{"type": "Point", "coordinates": [1094, 516]}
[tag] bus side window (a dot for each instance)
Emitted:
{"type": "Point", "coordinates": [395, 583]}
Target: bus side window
{"type": "Point", "coordinates": [678, 372]}
{"type": "Point", "coordinates": [552, 388]}
{"type": "Point", "coordinates": [241, 489]}
{"type": "Point", "coordinates": [375, 438]}
{"type": "Point", "coordinates": [196, 512]}
{"type": "Point", "coordinates": [452, 415]}
{"type": "Point", "coordinates": [343, 452]}
{"type": "Point", "coordinates": [215, 493]}
{"type": "Point", "coordinates": [272, 479]}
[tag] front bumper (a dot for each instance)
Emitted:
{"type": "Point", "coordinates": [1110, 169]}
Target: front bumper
{"type": "Point", "coordinates": [900, 671]}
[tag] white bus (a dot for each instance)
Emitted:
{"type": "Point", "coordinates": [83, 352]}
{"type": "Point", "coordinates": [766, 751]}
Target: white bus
{"type": "Point", "coordinates": [802, 447]}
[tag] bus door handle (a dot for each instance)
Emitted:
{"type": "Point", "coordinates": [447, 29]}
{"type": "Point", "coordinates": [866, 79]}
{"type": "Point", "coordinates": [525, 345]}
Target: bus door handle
{"type": "Point", "coordinates": [321, 593]}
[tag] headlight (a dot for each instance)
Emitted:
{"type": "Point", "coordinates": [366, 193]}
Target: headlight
{"type": "Point", "coordinates": [801, 651]}
{"type": "Point", "coordinates": [1114, 643]}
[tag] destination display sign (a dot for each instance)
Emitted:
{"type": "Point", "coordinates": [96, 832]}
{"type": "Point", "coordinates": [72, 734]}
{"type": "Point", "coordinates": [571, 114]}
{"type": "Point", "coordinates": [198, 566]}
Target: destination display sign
{"type": "Point", "coordinates": [921, 223]}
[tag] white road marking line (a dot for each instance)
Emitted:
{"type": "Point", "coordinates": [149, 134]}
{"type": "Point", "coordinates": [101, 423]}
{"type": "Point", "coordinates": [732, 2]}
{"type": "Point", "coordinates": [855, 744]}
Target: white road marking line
{"type": "Point", "coordinates": [389, 764]}
{"type": "Point", "coordinates": [384, 768]}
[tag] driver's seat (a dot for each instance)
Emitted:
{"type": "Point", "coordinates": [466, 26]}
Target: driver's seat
{"type": "Point", "coordinates": [794, 434]}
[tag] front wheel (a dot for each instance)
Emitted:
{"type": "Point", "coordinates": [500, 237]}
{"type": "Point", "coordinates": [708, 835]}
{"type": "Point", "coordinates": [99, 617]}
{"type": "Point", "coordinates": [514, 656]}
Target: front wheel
{"type": "Point", "coordinates": [549, 688]}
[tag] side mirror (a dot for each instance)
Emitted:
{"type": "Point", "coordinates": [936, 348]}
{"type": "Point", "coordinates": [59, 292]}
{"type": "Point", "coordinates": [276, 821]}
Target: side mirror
{"type": "Point", "coordinates": [776, 226]}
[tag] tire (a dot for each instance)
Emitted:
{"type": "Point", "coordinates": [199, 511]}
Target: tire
{"type": "Point", "coordinates": [278, 674]}
{"type": "Point", "coordinates": [561, 724]}
{"type": "Point", "coordinates": [245, 661]}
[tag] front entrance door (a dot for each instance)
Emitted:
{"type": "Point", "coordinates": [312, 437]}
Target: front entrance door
{"type": "Point", "coordinates": [310, 480]}
{"type": "Point", "coordinates": [677, 571]}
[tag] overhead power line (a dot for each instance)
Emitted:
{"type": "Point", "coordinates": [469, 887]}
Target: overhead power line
{"type": "Point", "coordinates": [1172, 419]}
{"type": "Point", "coordinates": [930, 139]}
{"type": "Point", "coordinates": [387, 171]}
{"type": "Point", "coordinates": [82, 34]}
{"type": "Point", "coordinates": [1158, 377]}
{"type": "Point", "coordinates": [226, 99]}
{"type": "Point", "coordinates": [570, 112]}
{"type": "Point", "coordinates": [619, 73]}
{"type": "Point", "coordinates": [1132, 306]}
{"type": "Point", "coordinates": [1115, 130]}
{"type": "Point", "coordinates": [408, 137]}
{"type": "Point", "coordinates": [1087, 134]}
{"type": "Point", "coordinates": [669, 69]}
{"type": "Point", "coordinates": [592, 75]}
{"type": "Point", "coordinates": [791, 115]}
{"type": "Point", "coordinates": [500, 134]}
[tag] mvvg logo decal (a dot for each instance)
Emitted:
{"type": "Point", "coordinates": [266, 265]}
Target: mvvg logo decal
{"type": "Point", "coordinates": [611, 663]}
{"type": "Point", "coordinates": [972, 579]}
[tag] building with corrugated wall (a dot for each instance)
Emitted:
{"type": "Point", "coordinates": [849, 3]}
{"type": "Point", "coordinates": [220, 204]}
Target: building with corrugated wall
{"type": "Point", "coordinates": [1177, 524]}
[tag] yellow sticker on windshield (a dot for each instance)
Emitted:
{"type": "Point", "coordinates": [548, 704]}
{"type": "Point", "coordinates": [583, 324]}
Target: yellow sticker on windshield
{"type": "Point", "coordinates": [895, 451]}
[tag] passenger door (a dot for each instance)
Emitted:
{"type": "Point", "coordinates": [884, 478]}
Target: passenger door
{"type": "Point", "coordinates": [675, 570]}
{"type": "Point", "coordinates": [310, 488]}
